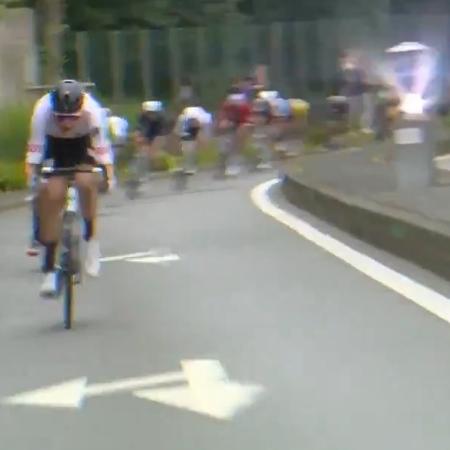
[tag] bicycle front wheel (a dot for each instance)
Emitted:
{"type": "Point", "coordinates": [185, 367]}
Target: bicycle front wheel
{"type": "Point", "coordinates": [68, 281]}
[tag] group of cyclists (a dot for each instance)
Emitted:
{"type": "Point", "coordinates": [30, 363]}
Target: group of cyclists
{"type": "Point", "coordinates": [70, 128]}
{"type": "Point", "coordinates": [248, 115]}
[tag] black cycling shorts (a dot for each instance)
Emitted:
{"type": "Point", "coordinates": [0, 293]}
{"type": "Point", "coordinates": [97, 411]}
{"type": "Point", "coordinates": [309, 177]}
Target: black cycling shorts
{"type": "Point", "coordinates": [69, 152]}
{"type": "Point", "coordinates": [191, 133]}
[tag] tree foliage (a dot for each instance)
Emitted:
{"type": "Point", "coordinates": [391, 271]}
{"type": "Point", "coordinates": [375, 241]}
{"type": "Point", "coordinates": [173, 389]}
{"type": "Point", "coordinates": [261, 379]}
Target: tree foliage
{"type": "Point", "coordinates": [116, 14]}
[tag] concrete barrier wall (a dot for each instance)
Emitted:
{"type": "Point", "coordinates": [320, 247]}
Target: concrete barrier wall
{"type": "Point", "coordinates": [424, 244]}
{"type": "Point", "coordinates": [18, 54]}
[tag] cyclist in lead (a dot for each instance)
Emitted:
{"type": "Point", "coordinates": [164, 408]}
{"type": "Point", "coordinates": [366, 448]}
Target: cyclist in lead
{"type": "Point", "coordinates": [66, 126]}
{"type": "Point", "coordinates": [33, 178]}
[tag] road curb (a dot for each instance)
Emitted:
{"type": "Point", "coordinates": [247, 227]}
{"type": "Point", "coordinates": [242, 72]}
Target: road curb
{"type": "Point", "coordinates": [421, 241]}
{"type": "Point", "coordinates": [13, 203]}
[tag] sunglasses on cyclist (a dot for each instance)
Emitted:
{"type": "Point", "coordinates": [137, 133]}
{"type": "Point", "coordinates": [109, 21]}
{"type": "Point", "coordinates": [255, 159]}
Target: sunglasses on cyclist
{"type": "Point", "coordinates": [67, 117]}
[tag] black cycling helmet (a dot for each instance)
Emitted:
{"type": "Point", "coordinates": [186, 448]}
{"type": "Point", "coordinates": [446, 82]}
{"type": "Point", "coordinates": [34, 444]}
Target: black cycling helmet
{"type": "Point", "coordinates": [67, 98]}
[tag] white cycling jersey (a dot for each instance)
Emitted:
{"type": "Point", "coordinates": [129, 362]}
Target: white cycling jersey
{"type": "Point", "coordinates": [118, 129]}
{"type": "Point", "coordinates": [281, 108]}
{"type": "Point", "coordinates": [204, 118]}
{"type": "Point", "coordinates": [44, 124]}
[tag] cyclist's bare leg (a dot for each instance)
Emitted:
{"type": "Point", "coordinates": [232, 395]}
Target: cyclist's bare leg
{"type": "Point", "coordinates": [240, 138]}
{"type": "Point", "coordinates": [144, 159]}
{"type": "Point", "coordinates": [51, 202]}
{"type": "Point", "coordinates": [189, 149]}
{"type": "Point", "coordinates": [87, 185]}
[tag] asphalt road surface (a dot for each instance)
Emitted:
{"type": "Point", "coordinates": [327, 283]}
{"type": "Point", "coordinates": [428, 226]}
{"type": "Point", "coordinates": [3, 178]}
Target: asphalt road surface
{"type": "Point", "coordinates": [345, 363]}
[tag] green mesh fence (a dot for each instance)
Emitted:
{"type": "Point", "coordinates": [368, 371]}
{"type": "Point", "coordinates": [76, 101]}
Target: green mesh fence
{"type": "Point", "coordinates": [301, 56]}
{"type": "Point", "coordinates": [161, 64]}
{"type": "Point", "coordinates": [98, 59]}
{"type": "Point", "coordinates": [131, 61]}
{"type": "Point", "coordinates": [70, 66]}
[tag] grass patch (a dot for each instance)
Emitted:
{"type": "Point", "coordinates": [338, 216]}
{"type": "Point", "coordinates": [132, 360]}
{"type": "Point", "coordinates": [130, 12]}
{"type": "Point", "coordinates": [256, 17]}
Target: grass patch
{"type": "Point", "coordinates": [14, 129]}
{"type": "Point", "coordinates": [12, 176]}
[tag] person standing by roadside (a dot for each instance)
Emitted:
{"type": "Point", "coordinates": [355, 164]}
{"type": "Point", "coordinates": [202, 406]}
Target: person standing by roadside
{"type": "Point", "coordinates": [351, 85]}
{"type": "Point", "coordinates": [368, 100]}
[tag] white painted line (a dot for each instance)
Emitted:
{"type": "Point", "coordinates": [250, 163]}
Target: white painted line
{"type": "Point", "coordinates": [155, 259]}
{"type": "Point", "coordinates": [423, 296]}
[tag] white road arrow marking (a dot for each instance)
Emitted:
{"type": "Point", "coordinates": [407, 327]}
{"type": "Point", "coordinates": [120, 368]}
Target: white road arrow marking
{"type": "Point", "coordinates": [130, 384]}
{"type": "Point", "coordinates": [127, 256]}
{"type": "Point", "coordinates": [71, 394]}
{"type": "Point", "coordinates": [64, 395]}
{"type": "Point", "coordinates": [443, 162]}
{"type": "Point", "coordinates": [209, 391]}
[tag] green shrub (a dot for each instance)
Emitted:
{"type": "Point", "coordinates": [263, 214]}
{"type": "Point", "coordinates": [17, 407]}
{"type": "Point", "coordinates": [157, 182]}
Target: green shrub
{"type": "Point", "coordinates": [14, 129]}
{"type": "Point", "coordinates": [129, 110]}
{"type": "Point", "coordinates": [316, 135]}
{"type": "Point", "coordinates": [208, 155]}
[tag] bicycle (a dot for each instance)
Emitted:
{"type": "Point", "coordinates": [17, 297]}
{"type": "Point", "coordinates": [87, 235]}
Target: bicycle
{"type": "Point", "coordinates": [227, 149]}
{"type": "Point", "coordinates": [69, 270]}
{"type": "Point", "coordinates": [138, 167]}
{"type": "Point", "coordinates": [187, 164]}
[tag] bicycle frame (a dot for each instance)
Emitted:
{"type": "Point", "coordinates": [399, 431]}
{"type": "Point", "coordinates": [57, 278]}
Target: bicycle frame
{"type": "Point", "coordinates": [71, 200]}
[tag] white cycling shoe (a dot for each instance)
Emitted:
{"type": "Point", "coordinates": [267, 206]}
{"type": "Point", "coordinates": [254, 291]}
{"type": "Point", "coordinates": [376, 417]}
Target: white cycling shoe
{"type": "Point", "coordinates": [33, 249]}
{"type": "Point", "coordinates": [190, 171]}
{"type": "Point", "coordinates": [264, 166]}
{"type": "Point", "coordinates": [49, 286]}
{"type": "Point", "coordinates": [92, 263]}
{"type": "Point", "coordinates": [232, 171]}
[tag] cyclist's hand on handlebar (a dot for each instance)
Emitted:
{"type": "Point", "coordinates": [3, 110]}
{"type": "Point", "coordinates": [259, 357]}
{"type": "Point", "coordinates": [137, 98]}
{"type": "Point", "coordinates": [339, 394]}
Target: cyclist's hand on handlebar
{"type": "Point", "coordinates": [31, 174]}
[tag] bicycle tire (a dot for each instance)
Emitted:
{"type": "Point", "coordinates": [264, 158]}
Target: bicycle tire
{"type": "Point", "coordinates": [70, 240]}
{"type": "Point", "coordinates": [70, 265]}
{"type": "Point", "coordinates": [75, 259]}
{"type": "Point", "coordinates": [68, 300]}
